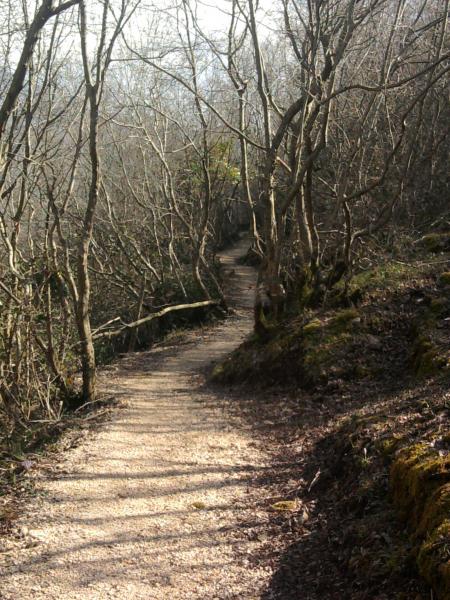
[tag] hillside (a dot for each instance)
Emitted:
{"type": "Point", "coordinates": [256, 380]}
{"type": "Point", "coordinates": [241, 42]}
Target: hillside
{"type": "Point", "coordinates": [224, 299]}
{"type": "Point", "coordinates": [355, 404]}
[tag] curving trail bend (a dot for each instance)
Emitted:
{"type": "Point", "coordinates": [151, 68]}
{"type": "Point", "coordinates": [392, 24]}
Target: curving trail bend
{"type": "Point", "coordinates": [149, 506]}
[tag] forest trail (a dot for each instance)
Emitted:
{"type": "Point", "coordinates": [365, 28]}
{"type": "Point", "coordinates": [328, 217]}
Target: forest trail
{"type": "Point", "coordinates": [149, 506]}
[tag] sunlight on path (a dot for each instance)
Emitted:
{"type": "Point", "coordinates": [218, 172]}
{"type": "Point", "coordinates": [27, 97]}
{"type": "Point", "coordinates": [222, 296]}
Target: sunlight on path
{"type": "Point", "coordinates": [149, 506]}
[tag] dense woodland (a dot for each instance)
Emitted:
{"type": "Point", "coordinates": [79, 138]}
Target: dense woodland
{"type": "Point", "coordinates": [136, 139]}
{"type": "Point", "coordinates": [139, 138]}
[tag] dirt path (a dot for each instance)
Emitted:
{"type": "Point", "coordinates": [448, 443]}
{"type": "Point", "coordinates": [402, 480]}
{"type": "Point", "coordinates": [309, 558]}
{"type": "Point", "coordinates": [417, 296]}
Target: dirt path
{"type": "Point", "coordinates": [149, 506]}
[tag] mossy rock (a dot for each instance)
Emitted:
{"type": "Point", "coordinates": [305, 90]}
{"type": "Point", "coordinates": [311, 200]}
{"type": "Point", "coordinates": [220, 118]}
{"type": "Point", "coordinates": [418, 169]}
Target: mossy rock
{"type": "Point", "coordinates": [436, 509]}
{"type": "Point", "coordinates": [420, 483]}
{"type": "Point", "coordinates": [433, 560]}
{"type": "Point", "coordinates": [415, 475]}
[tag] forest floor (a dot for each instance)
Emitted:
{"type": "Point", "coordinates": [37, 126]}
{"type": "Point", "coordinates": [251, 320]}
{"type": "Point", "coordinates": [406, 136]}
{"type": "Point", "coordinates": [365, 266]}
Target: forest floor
{"type": "Point", "coordinates": [195, 490]}
{"type": "Point", "coordinates": [155, 503]}
{"type": "Point", "coordinates": [336, 435]}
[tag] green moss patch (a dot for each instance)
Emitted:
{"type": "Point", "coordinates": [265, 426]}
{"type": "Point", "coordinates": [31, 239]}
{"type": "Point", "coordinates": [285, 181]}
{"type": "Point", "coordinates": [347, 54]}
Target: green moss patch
{"type": "Point", "coordinates": [386, 276]}
{"type": "Point", "coordinates": [428, 360]}
{"type": "Point", "coordinates": [434, 560]}
{"type": "Point", "coordinates": [431, 347]}
{"type": "Point", "coordinates": [323, 343]}
{"type": "Point", "coordinates": [300, 352]}
{"type": "Point", "coordinates": [444, 279]}
{"type": "Point", "coordinates": [436, 242]}
{"type": "Point", "coordinates": [420, 483]}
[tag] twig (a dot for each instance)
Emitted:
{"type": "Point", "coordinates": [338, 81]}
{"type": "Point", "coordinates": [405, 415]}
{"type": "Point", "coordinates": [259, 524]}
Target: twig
{"type": "Point", "coordinates": [314, 481]}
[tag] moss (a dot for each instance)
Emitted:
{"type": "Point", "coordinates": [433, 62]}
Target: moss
{"type": "Point", "coordinates": [384, 276]}
{"type": "Point", "coordinates": [217, 372]}
{"type": "Point", "coordinates": [430, 363]}
{"type": "Point", "coordinates": [312, 327]}
{"type": "Point", "coordinates": [416, 473]}
{"type": "Point", "coordinates": [262, 360]}
{"type": "Point", "coordinates": [319, 353]}
{"type": "Point", "coordinates": [427, 357]}
{"type": "Point", "coordinates": [305, 292]}
{"type": "Point", "coordinates": [322, 343]}
{"type": "Point", "coordinates": [238, 366]}
{"type": "Point", "coordinates": [307, 353]}
{"type": "Point", "coordinates": [436, 242]}
{"type": "Point", "coordinates": [387, 446]}
{"type": "Point", "coordinates": [438, 306]}
{"type": "Point", "coordinates": [263, 320]}
{"type": "Point", "coordinates": [430, 352]}
{"type": "Point", "coordinates": [444, 279]}
{"type": "Point", "coordinates": [436, 509]}
{"type": "Point", "coordinates": [420, 482]}
{"type": "Point", "coordinates": [375, 324]}
{"type": "Point", "coordinates": [431, 241]}
{"type": "Point", "coordinates": [285, 341]}
{"type": "Point", "coordinates": [345, 316]}
{"type": "Point", "coordinates": [433, 560]}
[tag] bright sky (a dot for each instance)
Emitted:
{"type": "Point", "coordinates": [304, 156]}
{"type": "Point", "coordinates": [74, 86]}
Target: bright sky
{"type": "Point", "coordinates": [213, 15]}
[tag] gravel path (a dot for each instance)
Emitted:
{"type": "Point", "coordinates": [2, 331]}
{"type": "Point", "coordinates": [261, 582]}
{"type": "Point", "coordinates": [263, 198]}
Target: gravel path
{"type": "Point", "coordinates": [149, 506]}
